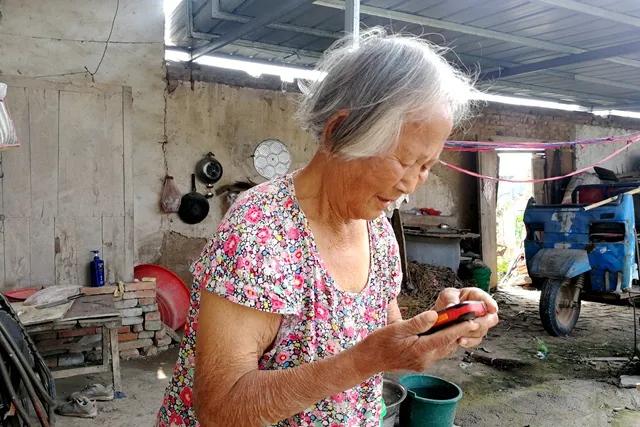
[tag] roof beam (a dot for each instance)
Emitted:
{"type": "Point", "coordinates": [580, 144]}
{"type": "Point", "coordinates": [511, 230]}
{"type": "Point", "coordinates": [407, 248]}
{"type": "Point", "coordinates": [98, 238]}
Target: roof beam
{"type": "Point", "coordinates": [352, 19]}
{"type": "Point", "coordinates": [467, 29]}
{"type": "Point", "coordinates": [577, 58]}
{"type": "Point", "coordinates": [469, 59]}
{"type": "Point", "coordinates": [537, 90]}
{"type": "Point", "coordinates": [254, 24]}
{"type": "Point", "coordinates": [264, 47]}
{"type": "Point", "coordinates": [216, 13]}
{"type": "Point", "coordinates": [598, 12]}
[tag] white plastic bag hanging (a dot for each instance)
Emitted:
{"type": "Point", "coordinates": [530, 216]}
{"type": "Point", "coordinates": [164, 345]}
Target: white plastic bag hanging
{"type": "Point", "coordinates": [7, 130]}
{"type": "Point", "coordinates": [171, 196]}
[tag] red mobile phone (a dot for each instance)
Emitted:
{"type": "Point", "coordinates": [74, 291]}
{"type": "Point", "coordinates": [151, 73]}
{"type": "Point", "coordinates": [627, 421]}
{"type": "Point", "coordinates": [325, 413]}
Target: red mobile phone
{"type": "Point", "coordinates": [467, 310]}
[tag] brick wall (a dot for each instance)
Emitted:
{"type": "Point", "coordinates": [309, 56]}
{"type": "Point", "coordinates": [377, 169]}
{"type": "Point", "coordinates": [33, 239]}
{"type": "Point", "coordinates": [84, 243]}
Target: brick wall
{"type": "Point", "coordinates": [509, 121]}
{"type": "Point", "coordinates": [142, 332]}
{"type": "Point", "coordinates": [534, 123]}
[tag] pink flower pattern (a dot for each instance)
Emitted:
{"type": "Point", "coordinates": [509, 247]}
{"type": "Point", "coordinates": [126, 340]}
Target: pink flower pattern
{"type": "Point", "coordinates": [263, 256]}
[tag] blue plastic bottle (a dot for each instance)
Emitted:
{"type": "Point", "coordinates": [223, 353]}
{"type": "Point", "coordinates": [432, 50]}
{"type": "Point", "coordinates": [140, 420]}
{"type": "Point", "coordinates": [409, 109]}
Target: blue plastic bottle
{"type": "Point", "coordinates": [97, 270]}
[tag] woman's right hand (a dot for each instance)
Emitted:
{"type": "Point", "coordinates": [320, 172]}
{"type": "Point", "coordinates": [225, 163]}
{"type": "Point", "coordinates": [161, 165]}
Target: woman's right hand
{"type": "Point", "coordinates": [398, 347]}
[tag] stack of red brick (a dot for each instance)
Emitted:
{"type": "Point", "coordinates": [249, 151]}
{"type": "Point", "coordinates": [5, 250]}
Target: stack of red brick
{"type": "Point", "coordinates": [142, 332]}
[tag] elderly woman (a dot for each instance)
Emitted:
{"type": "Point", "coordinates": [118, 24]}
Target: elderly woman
{"type": "Point", "coordinates": [294, 314]}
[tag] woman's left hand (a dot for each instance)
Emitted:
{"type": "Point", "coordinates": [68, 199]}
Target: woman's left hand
{"type": "Point", "coordinates": [452, 296]}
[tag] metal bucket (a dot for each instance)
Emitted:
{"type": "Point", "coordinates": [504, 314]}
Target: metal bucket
{"type": "Point", "coordinates": [393, 394]}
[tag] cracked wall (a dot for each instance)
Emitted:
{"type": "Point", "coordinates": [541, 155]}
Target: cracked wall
{"type": "Point", "coordinates": [230, 122]}
{"type": "Point", "coordinates": [58, 39]}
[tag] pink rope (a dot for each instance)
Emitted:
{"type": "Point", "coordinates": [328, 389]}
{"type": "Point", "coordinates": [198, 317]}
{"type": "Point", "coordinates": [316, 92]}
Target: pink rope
{"type": "Point", "coordinates": [535, 145]}
{"type": "Point", "coordinates": [534, 181]}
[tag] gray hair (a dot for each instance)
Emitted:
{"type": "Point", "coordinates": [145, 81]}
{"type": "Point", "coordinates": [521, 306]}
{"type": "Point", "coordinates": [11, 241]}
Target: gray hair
{"type": "Point", "coordinates": [380, 79]}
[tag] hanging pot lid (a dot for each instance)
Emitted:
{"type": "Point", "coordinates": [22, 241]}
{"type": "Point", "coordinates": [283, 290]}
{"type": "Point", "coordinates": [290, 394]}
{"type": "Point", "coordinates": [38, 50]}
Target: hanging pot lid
{"type": "Point", "coordinates": [209, 169]}
{"type": "Point", "coordinates": [271, 158]}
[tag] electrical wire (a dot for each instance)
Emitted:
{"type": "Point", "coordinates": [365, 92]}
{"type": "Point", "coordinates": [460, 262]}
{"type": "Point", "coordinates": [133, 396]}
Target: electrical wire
{"type": "Point", "coordinates": [104, 52]}
{"type": "Point", "coordinates": [106, 44]}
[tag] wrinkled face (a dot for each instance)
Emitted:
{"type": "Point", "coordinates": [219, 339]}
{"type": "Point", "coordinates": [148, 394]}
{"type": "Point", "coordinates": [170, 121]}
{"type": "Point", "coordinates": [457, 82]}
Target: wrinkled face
{"type": "Point", "coordinates": [376, 182]}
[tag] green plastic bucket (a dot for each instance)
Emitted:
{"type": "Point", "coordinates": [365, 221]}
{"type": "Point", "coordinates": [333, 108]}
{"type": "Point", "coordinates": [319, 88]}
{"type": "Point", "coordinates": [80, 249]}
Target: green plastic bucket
{"type": "Point", "coordinates": [482, 277]}
{"type": "Point", "coordinates": [430, 402]}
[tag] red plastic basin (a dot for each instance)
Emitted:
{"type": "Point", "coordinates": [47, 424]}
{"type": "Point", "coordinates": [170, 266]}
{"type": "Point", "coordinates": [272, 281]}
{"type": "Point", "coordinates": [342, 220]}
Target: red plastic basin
{"type": "Point", "coordinates": [20, 294]}
{"type": "Point", "coordinates": [172, 294]}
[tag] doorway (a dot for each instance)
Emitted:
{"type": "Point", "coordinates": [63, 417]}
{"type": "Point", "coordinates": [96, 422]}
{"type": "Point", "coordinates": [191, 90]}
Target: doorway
{"type": "Point", "coordinates": [511, 203]}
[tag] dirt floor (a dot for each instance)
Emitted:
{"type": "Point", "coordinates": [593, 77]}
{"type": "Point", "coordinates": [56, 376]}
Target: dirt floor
{"type": "Point", "coordinates": [144, 381]}
{"type": "Point", "coordinates": [564, 389]}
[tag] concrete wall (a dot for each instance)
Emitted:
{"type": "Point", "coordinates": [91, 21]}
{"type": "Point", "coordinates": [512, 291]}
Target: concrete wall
{"type": "Point", "coordinates": [57, 39]}
{"type": "Point", "coordinates": [230, 122]}
{"type": "Point", "coordinates": [450, 192]}
{"type": "Point", "coordinates": [535, 123]}
{"type": "Point", "coordinates": [588, 155]}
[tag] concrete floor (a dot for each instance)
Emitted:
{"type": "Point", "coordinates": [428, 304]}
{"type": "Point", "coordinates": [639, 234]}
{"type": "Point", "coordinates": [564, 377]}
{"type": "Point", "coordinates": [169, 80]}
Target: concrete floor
{"type": "Point", "coordinates": [563, 390]}
{"type": "Point", "coordinates": [144, 381]}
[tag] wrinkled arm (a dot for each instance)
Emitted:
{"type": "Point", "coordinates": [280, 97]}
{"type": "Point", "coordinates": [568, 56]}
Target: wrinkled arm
{"type": "Point", "coordinates": [229, 388]}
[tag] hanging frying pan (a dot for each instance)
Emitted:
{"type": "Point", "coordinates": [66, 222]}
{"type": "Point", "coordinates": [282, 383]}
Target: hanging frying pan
{"type": "Point", "coordinates": [209, 169]}
{"type": "Point", "coordinates": [194, 207]}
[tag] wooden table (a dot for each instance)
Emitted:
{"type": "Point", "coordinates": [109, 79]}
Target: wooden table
{"type": "Point", "coordinates": [84, 312]}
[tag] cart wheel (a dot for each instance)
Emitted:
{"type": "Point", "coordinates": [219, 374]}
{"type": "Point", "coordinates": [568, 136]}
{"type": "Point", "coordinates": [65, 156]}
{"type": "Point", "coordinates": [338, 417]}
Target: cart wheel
{"type": "Point", "coordinates": [557, 315]}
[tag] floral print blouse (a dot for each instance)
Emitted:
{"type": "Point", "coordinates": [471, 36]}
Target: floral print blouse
{"type": "Point", "coordinates": [264, 257]}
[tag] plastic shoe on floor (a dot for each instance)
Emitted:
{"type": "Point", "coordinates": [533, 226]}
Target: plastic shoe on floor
{"type": "Point", "coordinates": [78, 406]}
{"type": "Point", "coordinates": [95, 392]}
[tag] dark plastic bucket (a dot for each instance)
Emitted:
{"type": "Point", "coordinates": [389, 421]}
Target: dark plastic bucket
{"type": "Point", "coordinates": [430, 402]}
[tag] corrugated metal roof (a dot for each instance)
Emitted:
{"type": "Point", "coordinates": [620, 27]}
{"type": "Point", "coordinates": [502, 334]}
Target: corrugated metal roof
{"type": "Point", "coordinates": [485, 35]}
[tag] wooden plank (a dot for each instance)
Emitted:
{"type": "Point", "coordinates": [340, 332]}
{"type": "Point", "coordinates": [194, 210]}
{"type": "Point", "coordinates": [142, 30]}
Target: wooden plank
{"type": "Point", "coordinates": [113, 240]}
{"type": "Point", "coordinates": [91, 307]}
{"type": "Point", "coordinates": [17, 262]}
{"type": "Point", "coordinates": [45, 327]}
{"type": "Point", "coordinates": [43, 131]}
{"type": "Point", "coordinates": [42, 251]}
{"type": "Point", "coordinates": [66, 373]}
{"type": "Point", "coordinates": [558, 162]}
{"type": "Point", "coordinates": [16, 163]}
{"type": "Point", "coordinates": [30, 315]}
{"type": "Point", "coordinates": [115, 359]}
{"type": "Point", "coordinates": [110, 158]}
{"type": "Point", "coordinates": [108, 322]}
{"type": "Point", "coordinates": [488, 165]}
{"type": "Point", "coordinates": [537, 170]}
{"type": "Point", "coordinates": [65, 251]}
{"type": "Point", "coordinates": [106, 346]}
{"type": "Point", "coordinates": [129, 246]}
{"type": "Point", "coordinates": [81, 133]}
